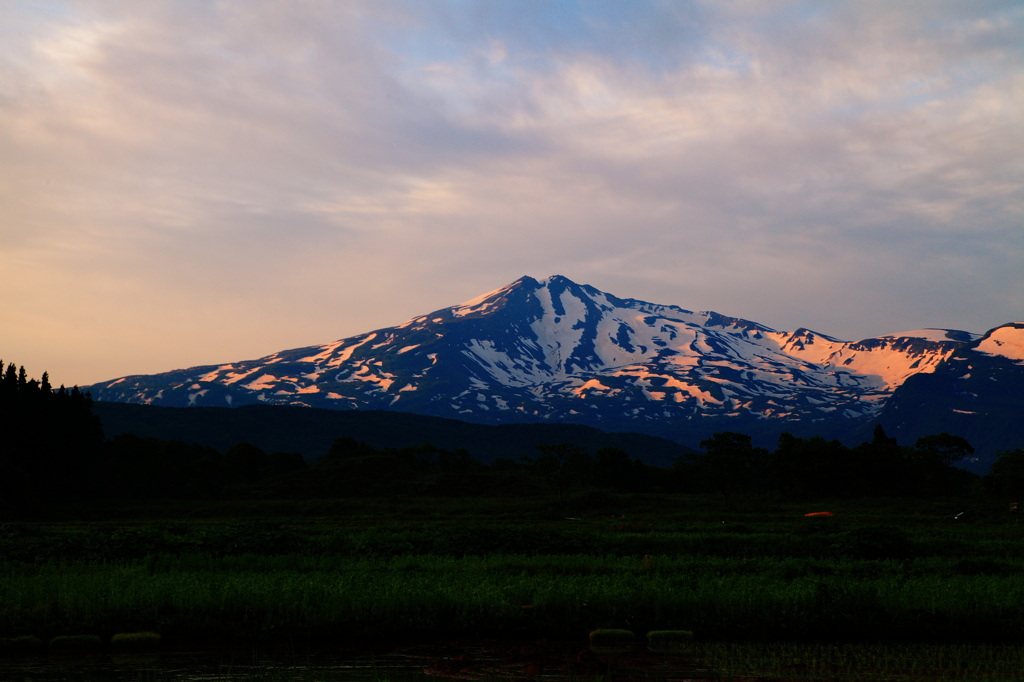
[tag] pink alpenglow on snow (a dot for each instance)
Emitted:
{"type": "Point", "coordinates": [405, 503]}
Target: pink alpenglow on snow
{"type": "Point", "coordinates": [1007, 341]}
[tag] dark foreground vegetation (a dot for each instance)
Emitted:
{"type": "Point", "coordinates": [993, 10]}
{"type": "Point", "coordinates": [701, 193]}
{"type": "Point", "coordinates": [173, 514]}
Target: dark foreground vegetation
{"type": "Point", "coordinates": [138, 535]}
{"type": "Point", "coordinates": [878, 570]}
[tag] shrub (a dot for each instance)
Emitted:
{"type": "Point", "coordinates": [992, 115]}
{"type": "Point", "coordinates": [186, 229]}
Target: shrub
{"type": "Point", "coordinates": [21, 644]}
{"type": "Point", "coordinates": [135, 640]}
{"type": "Point", "coordinates": [607, 636]}
{"type": "Point", "coordinates": [75, 642]}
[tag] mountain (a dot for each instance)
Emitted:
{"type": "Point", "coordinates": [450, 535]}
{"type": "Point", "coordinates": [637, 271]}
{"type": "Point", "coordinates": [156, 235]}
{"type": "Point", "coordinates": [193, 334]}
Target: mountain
{"type": "Point", "coordinates": [553, 350]}
{"type": "Point", "coordinates": [977, 393]}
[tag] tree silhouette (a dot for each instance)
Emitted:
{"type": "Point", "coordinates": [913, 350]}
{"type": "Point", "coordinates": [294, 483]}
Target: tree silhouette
{"type": "Point", "coordinates": [1007, 474]}
{"type": "Point", "coordinates": [50, 441]}
{"type": "Point", "coordinates": [562, 465]}
{"type": "Point", "coordinates": [731, 464]}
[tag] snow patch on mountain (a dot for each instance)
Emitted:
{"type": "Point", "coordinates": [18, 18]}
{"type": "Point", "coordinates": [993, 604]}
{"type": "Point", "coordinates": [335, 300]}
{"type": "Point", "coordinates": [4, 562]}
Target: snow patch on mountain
{"type": "Point", "coordinates": [1007, 341]}
{"type": "Point", "coordinates": [475, 306]}
{"type": "Point", "coordinates": [936, 335]}
{"type": "Point", "coordinates": [342, 357]}
{"type": "Point", "coordinates": [264, 382]}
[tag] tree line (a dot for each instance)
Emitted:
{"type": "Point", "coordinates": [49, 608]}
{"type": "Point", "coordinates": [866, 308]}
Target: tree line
{"type": "Point", "coordinates": [52, 449]}
{"type": "Point", "coordinates": [815, 467]}
{"type": "Point", "coordinates": [49, 439]}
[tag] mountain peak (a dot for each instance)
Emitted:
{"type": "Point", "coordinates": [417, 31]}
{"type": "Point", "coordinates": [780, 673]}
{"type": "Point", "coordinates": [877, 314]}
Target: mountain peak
{"type": "Point", "coordinates": [552, 349]}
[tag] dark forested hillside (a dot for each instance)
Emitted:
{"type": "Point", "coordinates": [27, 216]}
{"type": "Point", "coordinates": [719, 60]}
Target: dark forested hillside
{"type": "Point", "coordinates": [311, 431]}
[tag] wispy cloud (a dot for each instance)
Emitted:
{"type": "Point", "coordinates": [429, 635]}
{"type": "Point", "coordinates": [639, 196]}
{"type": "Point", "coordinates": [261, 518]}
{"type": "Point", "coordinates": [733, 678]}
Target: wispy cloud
{"type": "Point", "coordinates": [196, 182]}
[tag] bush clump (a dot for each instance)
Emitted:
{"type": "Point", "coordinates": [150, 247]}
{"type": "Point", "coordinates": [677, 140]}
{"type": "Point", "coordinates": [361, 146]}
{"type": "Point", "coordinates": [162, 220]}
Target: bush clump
{"type": "Point", "coordinates": [135, 640]}
{"type": "Point", "coordinates": [25, 643]}
{"type": "Point", "coordinates": [610, 636]}
{"type": "Point", "coordinates": [75, 642]}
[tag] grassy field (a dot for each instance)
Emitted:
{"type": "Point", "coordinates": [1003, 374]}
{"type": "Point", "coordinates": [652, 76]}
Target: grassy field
{"type": "Point", "coordinates": [877, 571]}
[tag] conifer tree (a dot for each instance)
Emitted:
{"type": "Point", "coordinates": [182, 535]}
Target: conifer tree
{"type": "Point", "coordinates": [11, 375]}
{"type": "Point", "coordinates": [49, 442]}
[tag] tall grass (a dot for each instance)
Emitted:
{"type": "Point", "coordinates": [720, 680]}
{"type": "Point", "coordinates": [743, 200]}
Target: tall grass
{"type": "Point", "coordinates": [877, 571]}
{"type": "Point", "coordinates": [331, 596]}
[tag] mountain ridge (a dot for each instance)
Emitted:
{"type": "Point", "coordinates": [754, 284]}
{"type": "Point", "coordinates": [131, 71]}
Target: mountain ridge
{"type": "Point", "coordinates": [555, 350]}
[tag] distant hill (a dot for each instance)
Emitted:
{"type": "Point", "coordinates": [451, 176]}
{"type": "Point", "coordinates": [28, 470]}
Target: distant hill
{"type": "Point", "coordinates": [310, 431]}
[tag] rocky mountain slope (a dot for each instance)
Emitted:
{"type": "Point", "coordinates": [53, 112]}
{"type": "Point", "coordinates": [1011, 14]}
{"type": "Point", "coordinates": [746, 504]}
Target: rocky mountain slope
{"type": "Point", "coordinates": [977, 393]}
{"type": "Point", "coordinates": [554, 350]}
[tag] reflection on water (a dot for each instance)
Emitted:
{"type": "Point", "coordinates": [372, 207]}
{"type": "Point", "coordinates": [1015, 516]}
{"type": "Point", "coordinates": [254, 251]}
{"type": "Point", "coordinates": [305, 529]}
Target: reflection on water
{"type": "Point", "coordinates": [473, 661]}
{"type": "Point", "coordinates": [544, 661]}
{"type": "Point", "coordinates": [209, 666]}
{"type": "Point", "coordinates": [476, 661]}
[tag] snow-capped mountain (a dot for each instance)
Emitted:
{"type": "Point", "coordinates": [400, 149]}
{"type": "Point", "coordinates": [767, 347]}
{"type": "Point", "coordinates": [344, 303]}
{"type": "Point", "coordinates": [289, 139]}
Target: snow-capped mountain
{"type": "Point", "coordinates": [978, 393]}
{"type": "Point", "coordinates": [556, 350]}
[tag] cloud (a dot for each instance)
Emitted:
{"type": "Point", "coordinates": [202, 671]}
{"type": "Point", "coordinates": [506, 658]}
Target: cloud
{"type": "Point", "coordinates": [239, 177]}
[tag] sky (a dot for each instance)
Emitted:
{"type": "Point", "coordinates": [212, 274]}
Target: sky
{"type": "Point", "coordinates": [190, 182]}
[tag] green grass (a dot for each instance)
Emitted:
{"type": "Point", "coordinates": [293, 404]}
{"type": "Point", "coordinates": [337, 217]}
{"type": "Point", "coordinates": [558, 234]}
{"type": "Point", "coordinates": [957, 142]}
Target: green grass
{"type": "Point", "coordinates": [899, 571]}
{"type": "Point", "coordinates": [254, 597]}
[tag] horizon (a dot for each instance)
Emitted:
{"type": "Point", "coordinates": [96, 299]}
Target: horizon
{"type": "Point", "coordinates": [190, 185]}
{"type": "Point", "coordinates": [921, 333]}
{"type": "Point", "coordinates": [540, 280]}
